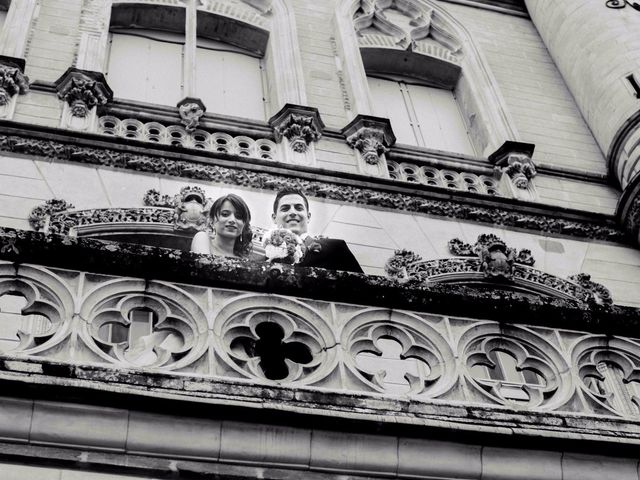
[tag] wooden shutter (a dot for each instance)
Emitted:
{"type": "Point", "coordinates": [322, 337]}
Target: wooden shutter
{"type": "Point", "coordinates": [229, 82]}
{"type": "Point", "coordinates": [390, 102]}
{"type": "Point", "coordinates": [440, 120]}
{"type": "Point", "coordinates": [145, 69]}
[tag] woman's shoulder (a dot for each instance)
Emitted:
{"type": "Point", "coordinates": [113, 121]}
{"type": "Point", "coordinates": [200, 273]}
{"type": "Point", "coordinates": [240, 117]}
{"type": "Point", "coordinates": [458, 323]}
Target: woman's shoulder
{"type": "Point", "coordinates": [201, 243]}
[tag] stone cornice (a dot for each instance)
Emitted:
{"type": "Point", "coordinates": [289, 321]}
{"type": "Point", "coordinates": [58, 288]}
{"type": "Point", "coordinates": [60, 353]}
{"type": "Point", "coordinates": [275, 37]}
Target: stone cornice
{"type": "Point", "coordinates": [62, 145]}
{"type": "Point", "coordinates": [178, 266]}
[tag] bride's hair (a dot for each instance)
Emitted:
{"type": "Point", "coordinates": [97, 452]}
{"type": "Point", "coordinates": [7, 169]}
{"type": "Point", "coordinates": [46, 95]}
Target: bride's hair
{"type": "Point", "coordinates": [243, 245]}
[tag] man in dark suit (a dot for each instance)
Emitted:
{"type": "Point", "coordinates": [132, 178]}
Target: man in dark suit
{"type": "Point", "coordinates": [291, 211]}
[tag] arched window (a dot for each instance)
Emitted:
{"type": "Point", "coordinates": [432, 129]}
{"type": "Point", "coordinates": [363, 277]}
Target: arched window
{"type": "Point", "coordinates": [412, 62]}
{"type": "Point", "coordinates": [165, 54]}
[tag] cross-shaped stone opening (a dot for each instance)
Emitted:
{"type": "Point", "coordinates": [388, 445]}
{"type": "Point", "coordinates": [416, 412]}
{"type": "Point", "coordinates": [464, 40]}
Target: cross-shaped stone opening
{"type": "Point", "coordinates": [392, 371]}
{"type": "Point", "coordinates": [274, 352]}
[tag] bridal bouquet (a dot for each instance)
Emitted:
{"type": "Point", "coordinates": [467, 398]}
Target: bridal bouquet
{"type": "Point", "coordinates": [283, 246]}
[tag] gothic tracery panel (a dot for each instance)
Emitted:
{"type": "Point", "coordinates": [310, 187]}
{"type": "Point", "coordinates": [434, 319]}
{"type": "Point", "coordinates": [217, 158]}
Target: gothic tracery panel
{"type": "Point", "coordinates": [398, 353]}
{"type": "Point", "coordinates": [274, 339]}
{"type": "Point", "coordinates": [514, 366]}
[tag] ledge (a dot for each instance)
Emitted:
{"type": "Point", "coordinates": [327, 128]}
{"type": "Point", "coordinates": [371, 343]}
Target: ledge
{"type": "Point", "coordinates": [94, 149]}
{"type": "Point", "coordinates": [178, 266]}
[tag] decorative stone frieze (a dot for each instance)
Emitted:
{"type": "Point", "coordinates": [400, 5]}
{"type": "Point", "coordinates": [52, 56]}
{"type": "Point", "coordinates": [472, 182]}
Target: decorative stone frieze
{"type": "Point", "coordinates": [357, 194]}
{"type": "Point", "coordinates": [371, 137]}
{"type": "Point", "coordinates": [191, 110]}
{"type": "Point", "coordinates": [300, 126]}
{"type": "Point", "coordinates": [513, 160]}
{"type": "Point", "coordinates": [598, 292]}
{"type": "Point", "coordinates": [82, 91]}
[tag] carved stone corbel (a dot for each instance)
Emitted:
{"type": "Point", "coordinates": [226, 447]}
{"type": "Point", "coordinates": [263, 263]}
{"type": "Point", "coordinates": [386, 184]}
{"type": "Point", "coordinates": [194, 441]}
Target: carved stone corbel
{"type": "Point", "coordinates": [13, 82]}
{"type": "Point", "coordinates": [299, 125]}
{"type": "Point", "coordinates": [191, 110]}
{"type": "Point", "coordinates": [371, 137]}
{"type": "Point", "coordinates": [513, 161]}
{"type": "Point", "coordinates": [82, 91]}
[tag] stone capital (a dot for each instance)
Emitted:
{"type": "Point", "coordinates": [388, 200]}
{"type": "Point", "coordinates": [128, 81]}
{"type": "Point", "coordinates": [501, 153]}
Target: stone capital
{"type": "Point", "coordinates": [300, 125]}
{"type": "Point", "coordinates": [371, 136]}
{"type": "Point", "coordinates": [514, 159]}
{"type": "Point", "coordinates": [83, 90]}
{"type": "Point", "coordinates": [13, 81]}
{"type": "Point", "coordinates": [191, 110]}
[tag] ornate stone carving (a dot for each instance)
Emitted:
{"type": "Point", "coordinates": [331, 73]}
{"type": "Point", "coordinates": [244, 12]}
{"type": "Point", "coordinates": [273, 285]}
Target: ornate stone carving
{"type": "Point", "coordinates": [371, 136]}
{"type": "Point", "coordinates": [491, 258]}
{"type": "Point", "coordinates": [191, 110]}
{"type": "Point", "coordinates": [38, 216]}
{"type": "Point", "coordinates": [299, 125]}
{"type": "Point", "coordinates": [191, 209]}
{"type": "Point", "coordinates": [599, 293]}
{"type": "Point", "coordinates": [408, 25]}
{"type": "Point", "coordinates": [514, 159]}
{"type": "Point", "coordinates": [63, 222]}
{"type": "Point", "coordinates": [496, 258]}
{"type": "Point", "coordinates": [13, 81]}
{"type": "Point", "coordinates": [83, 90]}
{"type": "Point", "coordinates": [153, 198]}
{"type": "Point", "coordinates": [315, 188]}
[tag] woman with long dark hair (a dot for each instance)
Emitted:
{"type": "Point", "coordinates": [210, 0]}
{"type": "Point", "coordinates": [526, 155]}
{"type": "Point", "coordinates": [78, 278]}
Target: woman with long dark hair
{"type": "Point", "coordinates": [231, 229]}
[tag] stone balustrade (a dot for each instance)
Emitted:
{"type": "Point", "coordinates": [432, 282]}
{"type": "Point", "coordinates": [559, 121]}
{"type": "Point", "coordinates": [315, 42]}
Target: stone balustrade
{"type": "Point", "coordinates": [199, 139]}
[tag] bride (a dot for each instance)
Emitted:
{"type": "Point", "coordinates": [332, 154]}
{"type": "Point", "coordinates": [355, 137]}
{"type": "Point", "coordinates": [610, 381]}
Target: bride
{"type": "Point", "coordinates": [231, 236]}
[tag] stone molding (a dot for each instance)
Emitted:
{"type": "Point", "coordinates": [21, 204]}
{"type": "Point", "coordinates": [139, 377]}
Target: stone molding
{"type": "Point", "coordinates": [373, 192]}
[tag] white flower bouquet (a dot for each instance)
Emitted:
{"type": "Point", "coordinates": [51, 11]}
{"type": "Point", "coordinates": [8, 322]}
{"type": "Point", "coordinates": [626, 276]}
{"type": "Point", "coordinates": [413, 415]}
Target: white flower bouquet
{"type": "Point", "coordinates": [283, 246]}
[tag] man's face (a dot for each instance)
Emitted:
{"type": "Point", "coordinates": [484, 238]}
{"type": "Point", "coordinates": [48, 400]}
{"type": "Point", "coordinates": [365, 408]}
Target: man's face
{"type": "Point", "coordinates": [292, 214]}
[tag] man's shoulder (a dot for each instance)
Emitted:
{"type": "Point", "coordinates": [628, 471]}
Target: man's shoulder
{"type": "Point", "coordinates": [333, 254]}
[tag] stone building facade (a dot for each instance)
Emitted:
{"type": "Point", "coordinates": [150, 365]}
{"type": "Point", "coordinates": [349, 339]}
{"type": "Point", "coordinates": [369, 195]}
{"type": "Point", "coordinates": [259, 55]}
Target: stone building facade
{"type": "Point", "coordinates": [481, 158]}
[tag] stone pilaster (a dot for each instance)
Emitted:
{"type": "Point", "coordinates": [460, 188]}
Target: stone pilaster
{"type": "Point", "coordinates": [371, 137]}
{"type": "Point", "coordinates": [83, 92]}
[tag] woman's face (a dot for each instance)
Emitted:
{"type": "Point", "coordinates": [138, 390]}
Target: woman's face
{"type": "Point", "coordinates": [226, 223]}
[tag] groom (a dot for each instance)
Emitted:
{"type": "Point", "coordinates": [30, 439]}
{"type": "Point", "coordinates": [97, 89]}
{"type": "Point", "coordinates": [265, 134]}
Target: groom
{"type": "Point", "coordinates": [291, 211]}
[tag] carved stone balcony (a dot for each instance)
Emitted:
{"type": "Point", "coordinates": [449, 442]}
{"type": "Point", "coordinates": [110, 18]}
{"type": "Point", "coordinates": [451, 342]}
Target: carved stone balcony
{"type": "Point", "coordinates": [218, 328]}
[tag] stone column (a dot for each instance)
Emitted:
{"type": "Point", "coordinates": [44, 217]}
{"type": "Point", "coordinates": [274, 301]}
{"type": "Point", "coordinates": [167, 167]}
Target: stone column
{"type": "Point", "coordinates": [596, 46]}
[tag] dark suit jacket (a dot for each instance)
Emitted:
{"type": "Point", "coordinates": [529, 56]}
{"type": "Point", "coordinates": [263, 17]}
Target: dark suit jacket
{"type": "Point", "coordinates": [333, 255]}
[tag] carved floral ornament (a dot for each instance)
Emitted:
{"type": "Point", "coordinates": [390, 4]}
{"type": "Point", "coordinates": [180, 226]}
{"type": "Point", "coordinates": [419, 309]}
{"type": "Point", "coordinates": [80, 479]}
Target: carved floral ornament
{"type": "Point", "coordinates": [300, 125]}
{"type": "Point", "coordinates": [83, 90]}
{"type": "Point", "coordinates": [491, 259]}
{"type": "Point", "coordinates": [13, 81]}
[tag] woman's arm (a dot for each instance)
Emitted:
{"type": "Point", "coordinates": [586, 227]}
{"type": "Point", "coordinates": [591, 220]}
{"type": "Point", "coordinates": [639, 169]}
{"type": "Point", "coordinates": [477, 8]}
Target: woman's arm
{"type": "Point", "coordinates": [201, 243]}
